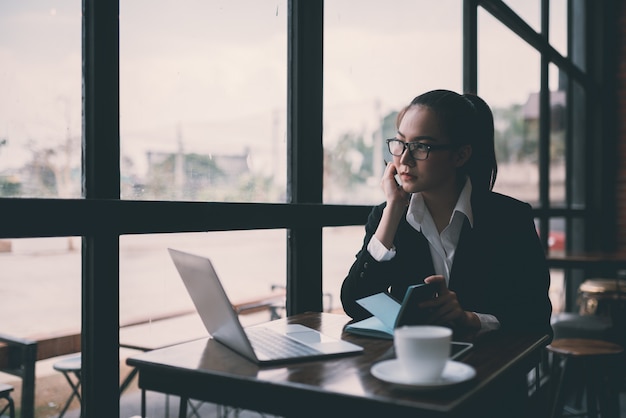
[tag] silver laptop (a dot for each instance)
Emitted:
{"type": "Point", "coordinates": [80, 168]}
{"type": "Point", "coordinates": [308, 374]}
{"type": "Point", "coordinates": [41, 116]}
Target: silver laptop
{"type": "Point", "coordinates": [271, 342]}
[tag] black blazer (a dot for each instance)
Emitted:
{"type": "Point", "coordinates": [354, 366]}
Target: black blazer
{"type": "Point", "coordinates": [499, 267]}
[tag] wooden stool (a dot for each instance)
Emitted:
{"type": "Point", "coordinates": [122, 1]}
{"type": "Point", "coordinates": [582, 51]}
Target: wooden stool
{"type": "Point", "coordinates": [71, 366]}
{"type": "Point", "coordinates": [5, 393]}
{"type": "Point", "coordinates": [599, 373]}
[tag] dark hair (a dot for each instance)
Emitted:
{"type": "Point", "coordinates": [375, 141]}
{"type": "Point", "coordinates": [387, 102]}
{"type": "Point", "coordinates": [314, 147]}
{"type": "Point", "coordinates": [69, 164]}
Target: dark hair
{"type": "Point", "coordinates": [466, 120]}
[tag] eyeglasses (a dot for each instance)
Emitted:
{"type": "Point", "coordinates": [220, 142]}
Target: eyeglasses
{"type": "Point", "coordinates": [418, 150]}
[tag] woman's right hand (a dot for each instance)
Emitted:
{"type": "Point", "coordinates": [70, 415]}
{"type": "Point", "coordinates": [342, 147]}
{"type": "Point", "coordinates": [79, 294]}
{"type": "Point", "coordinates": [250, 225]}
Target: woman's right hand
{"type": "Point", "coordinates": [397, 201]}
{"type": "Point", "coordinates": [394, 193]}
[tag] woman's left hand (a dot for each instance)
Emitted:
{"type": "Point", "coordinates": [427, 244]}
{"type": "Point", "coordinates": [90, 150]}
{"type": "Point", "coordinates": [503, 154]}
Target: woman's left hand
{"type": "Point", "coordinates": [446, 309]}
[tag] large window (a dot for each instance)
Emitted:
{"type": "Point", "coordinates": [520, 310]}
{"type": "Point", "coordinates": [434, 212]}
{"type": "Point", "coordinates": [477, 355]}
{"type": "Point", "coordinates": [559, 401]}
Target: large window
{"type": "Point", "coordinates": [135, 126]}
{"type": "Point", "coordinates": [203, 100]}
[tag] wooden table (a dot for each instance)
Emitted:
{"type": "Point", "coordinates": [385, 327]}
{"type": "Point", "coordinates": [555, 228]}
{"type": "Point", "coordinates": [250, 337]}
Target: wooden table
{"type": "Point", "coordinates": [208, 371]}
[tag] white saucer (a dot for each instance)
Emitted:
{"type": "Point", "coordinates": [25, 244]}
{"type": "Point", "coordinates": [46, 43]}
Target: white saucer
{"type": "Point", "coordinates": [454, 373]}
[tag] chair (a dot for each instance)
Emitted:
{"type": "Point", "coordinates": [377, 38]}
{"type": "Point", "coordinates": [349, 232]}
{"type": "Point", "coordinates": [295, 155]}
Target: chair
{"type": "Point", "coordinates": [5, 393]}
{"type": "Point", "coordinates": [582, 365]}
{"type": "Point", "coordinates": [70, 367]}
{"type": "Point", "coordinates": [18, 358]}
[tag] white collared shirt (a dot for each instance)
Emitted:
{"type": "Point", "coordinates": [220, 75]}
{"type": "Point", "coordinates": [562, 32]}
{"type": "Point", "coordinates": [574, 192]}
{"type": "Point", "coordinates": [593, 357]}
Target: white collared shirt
{"type": "Point", "coordinates": [442, 246]}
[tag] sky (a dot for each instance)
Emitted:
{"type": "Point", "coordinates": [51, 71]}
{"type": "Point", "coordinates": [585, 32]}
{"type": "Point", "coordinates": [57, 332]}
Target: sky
{"type": "Point", "coordinates": [211, 75]}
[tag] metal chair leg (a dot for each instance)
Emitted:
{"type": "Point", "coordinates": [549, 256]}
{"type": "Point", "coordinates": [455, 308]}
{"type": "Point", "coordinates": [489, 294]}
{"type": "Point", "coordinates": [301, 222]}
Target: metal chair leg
{"type": "Point", "coordinates": [68, 366]}
{"type": "Point", "coordinates": [5, 393]}
{"type": "Point", "coordinates": [75, 391]}
{"type": "Point", "coordinates": [182, 408]}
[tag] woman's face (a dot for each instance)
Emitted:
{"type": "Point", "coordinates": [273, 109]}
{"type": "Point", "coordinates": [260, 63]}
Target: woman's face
{"type": "Point", "coordinates": [435, 174]}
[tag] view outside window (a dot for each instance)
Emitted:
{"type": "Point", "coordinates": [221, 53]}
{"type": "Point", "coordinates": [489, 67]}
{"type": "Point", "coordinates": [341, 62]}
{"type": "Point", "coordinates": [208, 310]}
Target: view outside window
{"type": "Point", "coordinates": [40, 104]}
{"type": "Point", "coordinates": [377, 58]}
{"type": "Point", "coordinates": [40, 286]}
{"type": "Point", "coordinates": [509, 81]}
{"type": "Point", "coordinates": [558, 128]}
{"type": "Point", "coordinates": [203, 100]}
{"type": "Point", "coordinates": [558, 26]}
{"type": "Point", "coordinates": [249, 264]}
{"type": "Point", "coordinates": [40, 154]}
{"type": "Point", "coordinates": [340, 246]}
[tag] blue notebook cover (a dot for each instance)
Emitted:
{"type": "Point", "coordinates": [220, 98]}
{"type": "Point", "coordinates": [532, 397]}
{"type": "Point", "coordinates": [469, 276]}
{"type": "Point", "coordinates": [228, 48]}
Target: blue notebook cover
{"type": "Point", "coordinates": [384, 309]}
{"type": "Point", "coordinates": [389, 314]}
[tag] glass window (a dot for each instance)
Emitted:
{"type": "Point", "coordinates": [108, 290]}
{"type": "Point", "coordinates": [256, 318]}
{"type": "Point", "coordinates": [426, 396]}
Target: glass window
{"type": "Point", "coordinates": [42, 290]}
{"type": "Point", "coordinates": [558, 25]}
{"type": "Point", "coordinates": [558, 130]}
{"type": "Point", "coordinates": [557, 290]}
{"type": "Point", "coordinates": [249, 264]}
{"type": "Point", "coordinates": [203, 100]}
{"type": "Point", "coordinates": [377, 57]}
{"type": "Point", "coordinates": [340, 248]}
{"type": "Point", "coordinates": [511, 87]}
{"type": "Point", "coordinates": [40, 104]}
{"type": "Point", "coordinates": [556, 236]}
{"type": "Point", "coordinates": [41, 297]}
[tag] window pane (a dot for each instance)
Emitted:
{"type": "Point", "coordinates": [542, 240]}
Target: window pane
{"type": "Point", "coordinates": [557, 290]}
{"type": "Point", "coordinates": [340, 247]}
{"type": "Point", "coordinates": [558, 25]}
{"type": "Point", "coordinates": [40, 104]}
{"type": "Point", "coordinates": [558, 130]}
{"type": "Point", "coordinates": [376, 59]}
{"type": "Point", "coordinates": [510, 86]}
{"type": "Point", "coordinates": [41, 297]}
{"type": "Point", "coordinates": [556, 236]}
{"type": "Point", "coordinates": [203, 100]}
{"type": "Point", "coordinates": [248, 263]}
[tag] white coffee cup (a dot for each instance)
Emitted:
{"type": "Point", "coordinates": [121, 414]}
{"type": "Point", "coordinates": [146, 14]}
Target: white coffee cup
{"type": "Point", "coordinates": [422, 351]}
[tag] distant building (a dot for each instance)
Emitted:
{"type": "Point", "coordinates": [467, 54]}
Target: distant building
{"type": "Point", "coordinates": [530, 112]}
{"type": "Point", "coordinates": [185, 175]}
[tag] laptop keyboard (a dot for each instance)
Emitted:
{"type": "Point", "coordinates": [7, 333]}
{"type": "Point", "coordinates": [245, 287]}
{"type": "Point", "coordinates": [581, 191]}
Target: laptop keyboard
{"type": "Point", "coordinates": [271, 344]}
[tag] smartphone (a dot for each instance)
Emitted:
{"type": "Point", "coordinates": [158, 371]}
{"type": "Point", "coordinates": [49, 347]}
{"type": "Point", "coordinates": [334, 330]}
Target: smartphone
{"type": "Point", "coordinates": [396, 176]}
{"type": "Point", "coordinates": [410, 313]}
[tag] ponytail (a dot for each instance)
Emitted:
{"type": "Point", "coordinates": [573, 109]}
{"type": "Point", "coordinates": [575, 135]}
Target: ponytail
{"type": "Point", "coordinates": [482, 166]}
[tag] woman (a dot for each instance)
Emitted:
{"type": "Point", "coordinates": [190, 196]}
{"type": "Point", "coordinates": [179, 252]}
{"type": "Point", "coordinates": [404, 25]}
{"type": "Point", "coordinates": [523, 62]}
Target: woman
{"type": "Point", "coordinates": [443, 224]}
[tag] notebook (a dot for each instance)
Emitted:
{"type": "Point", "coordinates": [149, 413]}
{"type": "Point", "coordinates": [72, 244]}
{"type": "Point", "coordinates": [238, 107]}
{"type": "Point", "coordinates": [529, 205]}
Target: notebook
{"type": "Point", "coordinates": [268, 343]}
{"type": "Point", "coordinates": [388, 313]}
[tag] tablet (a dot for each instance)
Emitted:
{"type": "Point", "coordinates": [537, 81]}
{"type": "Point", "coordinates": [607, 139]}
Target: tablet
{"type": "Point", "coordinates": [457, 349]}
